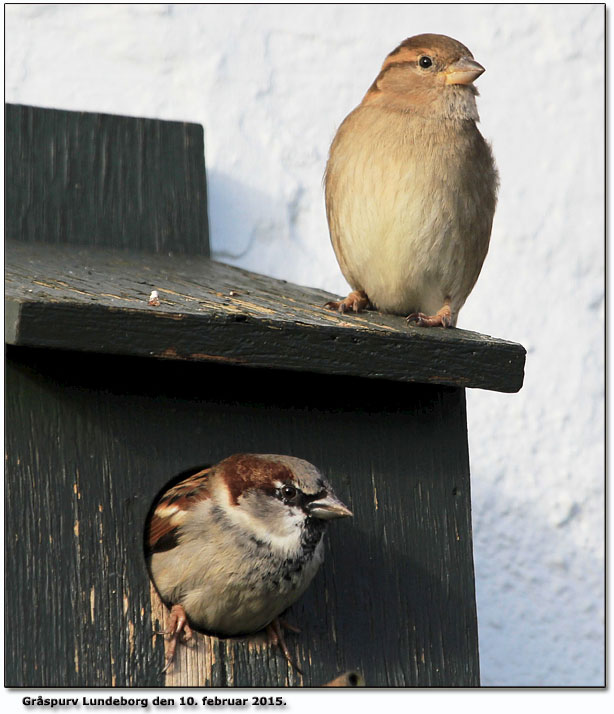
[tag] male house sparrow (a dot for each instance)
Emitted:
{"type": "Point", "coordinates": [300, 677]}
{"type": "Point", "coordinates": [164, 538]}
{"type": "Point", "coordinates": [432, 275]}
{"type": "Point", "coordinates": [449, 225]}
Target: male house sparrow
{"type": "Point", "coordinates": [411, 186]}
{"type": "Point", "coordinates": [233, 546]}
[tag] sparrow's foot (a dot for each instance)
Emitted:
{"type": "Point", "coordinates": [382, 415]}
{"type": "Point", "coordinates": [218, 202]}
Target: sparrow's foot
{"type": "Point", "coordinates": [442, 318]}
{"type": "Point", "coordinates": [276, 637]}
{"type": "Point", "coordinates": [178, 625]}
{"type": "Point", "coordinates": [356, 301]}
{"type": "Point", "coordinates": [287, 626]}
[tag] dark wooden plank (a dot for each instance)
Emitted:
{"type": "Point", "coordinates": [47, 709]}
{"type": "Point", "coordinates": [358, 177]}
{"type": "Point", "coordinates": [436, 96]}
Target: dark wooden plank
{"type": "Point", "coordinates": [100, 179]}
{"type": "Point", "coordinates": [96, 300]}
{"type": "Point", "coordinates": [91, 439]}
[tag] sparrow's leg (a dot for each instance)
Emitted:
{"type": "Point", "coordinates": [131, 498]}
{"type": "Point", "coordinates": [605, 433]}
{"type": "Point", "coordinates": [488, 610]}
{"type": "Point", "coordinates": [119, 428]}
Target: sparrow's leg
{"type": "Point", "coordinates": [276, 637]}
{"type": "Point", "coordinates": [356, 301]}
{"type": "Point", "coordinates": [442, 318]}
{"type": "Point", "coordinates": [178, 624]}
{"type": "Point", "coordinates": [287, 626]}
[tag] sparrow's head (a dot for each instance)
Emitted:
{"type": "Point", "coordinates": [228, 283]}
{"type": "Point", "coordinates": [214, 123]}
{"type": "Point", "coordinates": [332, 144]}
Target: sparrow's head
{"type": "Point", "coordinates": [273, 495]}
{"type": "Point", "coordinates": [280, 501]}
{"type": "Point", "coordinates": [431, 74]}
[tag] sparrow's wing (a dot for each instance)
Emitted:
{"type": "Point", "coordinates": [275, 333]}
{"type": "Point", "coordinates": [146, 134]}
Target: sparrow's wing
{"type": "Point", "coordinates": [171, 511]}
{"type": "Point", "coordinates": [339, 194]}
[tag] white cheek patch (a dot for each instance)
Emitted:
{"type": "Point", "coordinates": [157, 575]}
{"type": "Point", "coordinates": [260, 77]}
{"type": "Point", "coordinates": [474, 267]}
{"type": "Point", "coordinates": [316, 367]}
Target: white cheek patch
{"type": "Point", "coordinates": [279, 525]}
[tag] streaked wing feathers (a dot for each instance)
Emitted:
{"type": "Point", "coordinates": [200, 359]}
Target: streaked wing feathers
{"type": "Point", "coordinates": [172, 509]}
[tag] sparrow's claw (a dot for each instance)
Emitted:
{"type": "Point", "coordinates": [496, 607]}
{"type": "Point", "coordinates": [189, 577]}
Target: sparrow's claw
{"type": "Point", "coordinates": [276, 637]}
{"type": "Point", "coordinates": [355, 301]}
{"type": "Point", "coordinates": [178, 625]}
{"type": "Point", "coordinates": [287, 626]}
{"type": "Point", "coordinates": [443, 318]}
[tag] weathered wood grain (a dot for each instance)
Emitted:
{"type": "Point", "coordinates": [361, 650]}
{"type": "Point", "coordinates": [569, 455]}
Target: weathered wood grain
{"type": "Point", "coordinates": [97, 300]}
{"type": "Point", "coordinates": [105, 180]}
{"type": "Point", "coordinates": [92, 439]}
{"type": "Point", "coordinates": [95, 428]}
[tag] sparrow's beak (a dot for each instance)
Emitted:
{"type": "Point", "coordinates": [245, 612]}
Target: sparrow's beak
{"type": "Point", "coordinates": [328, 507]}
{"type": "Point", "coordinates": [463, 71]}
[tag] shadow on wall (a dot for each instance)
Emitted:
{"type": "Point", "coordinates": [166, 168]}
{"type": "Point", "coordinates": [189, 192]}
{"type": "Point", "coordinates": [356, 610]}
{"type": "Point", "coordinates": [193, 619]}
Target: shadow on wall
{"type": "Point", "coordinates": [260, 231]}
{"type": "Point", "coordinates": [240, 216]}
{"type": "Point", "coordinates": [528, 610]}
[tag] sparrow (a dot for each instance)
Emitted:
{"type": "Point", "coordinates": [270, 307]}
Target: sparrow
{"type": "Point", "coordinates": [234, 545]}
{"type": "Point", "coordinates": [411, 186]}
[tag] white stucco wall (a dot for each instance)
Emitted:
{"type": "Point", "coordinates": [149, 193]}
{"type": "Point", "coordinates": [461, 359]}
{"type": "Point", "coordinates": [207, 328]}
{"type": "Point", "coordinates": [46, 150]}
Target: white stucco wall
{"type": "Point", "coordinates": [270, 84]}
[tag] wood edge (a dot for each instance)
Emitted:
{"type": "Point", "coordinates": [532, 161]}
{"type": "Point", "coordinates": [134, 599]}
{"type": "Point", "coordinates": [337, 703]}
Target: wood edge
{"type": "Point", "coordinates": [25, 313]}
{"type": "Point", "coordinates": [14, 106]}
{"type": "Point", "coordinates": [12, 318]}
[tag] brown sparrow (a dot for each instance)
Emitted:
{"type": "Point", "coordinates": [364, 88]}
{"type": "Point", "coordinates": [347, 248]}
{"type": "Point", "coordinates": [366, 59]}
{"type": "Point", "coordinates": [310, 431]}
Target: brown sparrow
{"type": "Point", "coordinates": [231, 547]}
{"type": "Point", "coordinates": [411, 186]}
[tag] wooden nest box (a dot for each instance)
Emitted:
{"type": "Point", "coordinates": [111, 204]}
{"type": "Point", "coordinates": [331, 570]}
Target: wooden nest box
{"type": "Point", "coordinates": [108, 398]}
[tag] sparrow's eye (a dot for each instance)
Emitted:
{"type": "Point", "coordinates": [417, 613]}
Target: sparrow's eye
{"type": "Point", "coordinates": [425, 62]}
{"type": "Point", "coordinates": [288, 492]}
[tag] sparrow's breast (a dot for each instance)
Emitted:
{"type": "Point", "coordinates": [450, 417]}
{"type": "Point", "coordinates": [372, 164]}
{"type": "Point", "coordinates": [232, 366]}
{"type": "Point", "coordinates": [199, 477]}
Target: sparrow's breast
{"type": "Point", "coordinates": [254, 597]}
{"type": "Point", "coordinates": [238, 585]}
{"type": "Point", "coordinates": [410, 208]}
